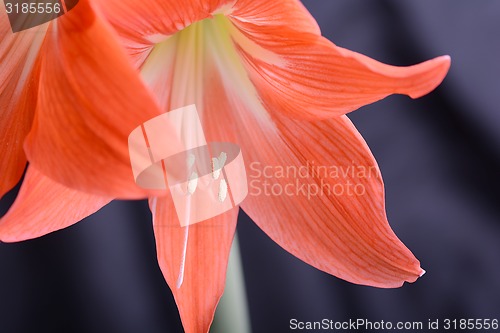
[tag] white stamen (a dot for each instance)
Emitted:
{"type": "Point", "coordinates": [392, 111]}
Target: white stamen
{"type": "Point", "coordinates": [222, 190]}
{"type": "Point", "coordinates": [180, 278]}
{"type": "Point", "coordinates": [218, 164]}
{"type": "Point", "coordinates": [190, 161]}
{"type": "Point", "coordinates": [182, 268]}
{"type": "Point", "coordinates": [222, 159]}
{"type": "Point", "coordinates": [192, 183]}
{"type": "Point", "coordinates": [215, 168]}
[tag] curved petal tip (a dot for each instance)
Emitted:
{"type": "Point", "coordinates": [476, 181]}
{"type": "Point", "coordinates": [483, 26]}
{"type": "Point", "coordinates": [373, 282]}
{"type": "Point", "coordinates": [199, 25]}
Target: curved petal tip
{"type": "Point", "coordinates": [428, 75]}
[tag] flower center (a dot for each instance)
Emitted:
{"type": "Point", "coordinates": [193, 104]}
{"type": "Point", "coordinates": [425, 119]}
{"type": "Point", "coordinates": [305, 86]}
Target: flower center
{"type": "Point", "coordinates": [184, 67]}
{"type": "Point", "coordinates": [176, 67]}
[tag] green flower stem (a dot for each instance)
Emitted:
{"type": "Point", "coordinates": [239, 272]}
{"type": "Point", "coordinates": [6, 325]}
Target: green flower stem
{"type": "Point", "coordinates": [232, 313]}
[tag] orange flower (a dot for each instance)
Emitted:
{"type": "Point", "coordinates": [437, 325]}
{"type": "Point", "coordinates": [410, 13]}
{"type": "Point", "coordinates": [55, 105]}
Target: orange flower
{"type": "Point", "coordinates": [261, 75]}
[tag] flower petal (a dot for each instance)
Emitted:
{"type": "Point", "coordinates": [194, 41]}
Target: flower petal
{"type": "Point", "coordinates": [141, 24]}
{"type": "Point", "coordinates": [43, 206]}
{"type": "Point", "coordinates": [276, 15]}
{"type": "Point", "coordinates": [344, 234]}
{"type": "Point", "coordinates": [204, 267]}
{"type": "Point", "coordinates": [90, 100]}
{"type": "Point", "coordinates": [18, 84]}
{"type": "Point", "coordinates": [324, 201]}
{"type": "Point", "coordinates": [306, 76]}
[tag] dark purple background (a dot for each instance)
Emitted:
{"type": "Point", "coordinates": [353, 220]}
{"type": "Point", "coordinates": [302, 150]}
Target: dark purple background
{"type": "Point", "coordinates": [440, 159]}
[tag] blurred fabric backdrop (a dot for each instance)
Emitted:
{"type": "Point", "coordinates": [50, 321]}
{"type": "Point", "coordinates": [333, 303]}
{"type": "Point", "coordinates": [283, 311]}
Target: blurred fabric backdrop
{"type": "Point", "coordinates": [439, 156]}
